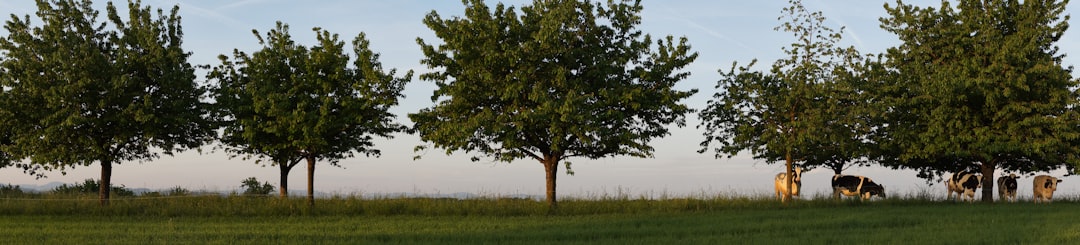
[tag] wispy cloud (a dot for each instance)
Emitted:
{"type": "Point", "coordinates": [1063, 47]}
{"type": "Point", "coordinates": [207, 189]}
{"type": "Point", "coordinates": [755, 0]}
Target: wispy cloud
{"type": "Point", "coordinates": [826, 8]}
{"type": "Point", "coordinates": [214, 14]}
{"type": "Point", "coordinates": [710, 31]}
{"type": "Point", "coordinates": [236, 4]}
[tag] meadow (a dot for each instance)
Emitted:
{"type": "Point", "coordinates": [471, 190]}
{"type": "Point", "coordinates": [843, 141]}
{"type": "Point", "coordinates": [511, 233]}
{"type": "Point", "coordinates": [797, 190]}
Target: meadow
{"type": "Point", "coordinates": [721, 219]}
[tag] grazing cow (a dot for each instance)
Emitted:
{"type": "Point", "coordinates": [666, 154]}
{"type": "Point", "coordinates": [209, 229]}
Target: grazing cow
{"type": "Point", "coordinates": [851, 185]}
{"type": "Point", "coordinates": [1044, 187]}
{"type": "Point", "coordinates": [781, 184]}
{"type": "Point", "coordinates": [963, 183]}
{"type": "Point", "coordinates": [1007, 187]}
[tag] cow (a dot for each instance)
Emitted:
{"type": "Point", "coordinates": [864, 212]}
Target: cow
{"type": "Point", "coordinates": [963, 183]}
{"type": "Point", "coordinates": [851, 185]}
{"type": "Point", "coordinates": [781, 184]}
{"type": "Point", "coordinates": [1043, 188]}
{"type": "Point", "coordinates": [1007, 187]}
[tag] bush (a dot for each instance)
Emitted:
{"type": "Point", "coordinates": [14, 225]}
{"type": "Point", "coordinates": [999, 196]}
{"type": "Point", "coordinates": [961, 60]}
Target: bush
{"type": "Point", "coordinates": [10, 189]}
{"type": "Point", "coordinates": [252, 186]}
{"type": "Point", "coordinates": [179, 191]}
{"type": "Point", "coordinates": [91, 186]}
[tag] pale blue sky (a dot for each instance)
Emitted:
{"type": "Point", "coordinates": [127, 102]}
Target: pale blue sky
{"type": "Point", "coordinates": [721, 31]}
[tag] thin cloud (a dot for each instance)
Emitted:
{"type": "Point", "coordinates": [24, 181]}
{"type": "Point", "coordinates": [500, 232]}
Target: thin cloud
{"type": "Point", "coordinates": [827, 8]}
{"type": "Point", "coordinates": [237, 4]}
{"type": "Point", "coordinates": [706, 30]}
{"type": "Point", "coordinates": [213, 14]}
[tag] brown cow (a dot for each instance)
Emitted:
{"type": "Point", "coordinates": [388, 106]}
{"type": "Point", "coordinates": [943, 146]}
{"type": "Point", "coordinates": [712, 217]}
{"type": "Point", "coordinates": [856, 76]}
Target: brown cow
{"type": "Point", "coordinates": [1044, 187]}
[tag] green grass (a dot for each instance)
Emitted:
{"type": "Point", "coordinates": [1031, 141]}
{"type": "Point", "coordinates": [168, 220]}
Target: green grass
{"type": "Point", "coordinates": [604, 220]}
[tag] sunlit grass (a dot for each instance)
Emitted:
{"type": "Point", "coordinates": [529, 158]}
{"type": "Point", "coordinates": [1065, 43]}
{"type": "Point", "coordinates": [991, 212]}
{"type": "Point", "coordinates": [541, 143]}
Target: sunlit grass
{"type": "Point", "coordinates": [722, 218]}
{"type": "Point", "coordinates": [195, 204]}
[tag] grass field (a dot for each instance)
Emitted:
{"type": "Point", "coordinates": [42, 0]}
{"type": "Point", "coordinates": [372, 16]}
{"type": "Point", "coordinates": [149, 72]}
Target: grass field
{"type": "Point", "coordinates": [719, 220]}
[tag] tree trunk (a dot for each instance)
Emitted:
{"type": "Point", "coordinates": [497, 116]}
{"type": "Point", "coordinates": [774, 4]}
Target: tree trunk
{"type": "Point", "coordinates": [551, 167]}
{"type": "Point", "coordinates": [987, 168]}
{"type": "Point", "coordinates": [284, 186]}
{"type": "Point", "coordinates": [106, 181]}
{"type": "Point", "coordinates": [790, 177]}
{"type": "Point", "coordinates": [311, 181]}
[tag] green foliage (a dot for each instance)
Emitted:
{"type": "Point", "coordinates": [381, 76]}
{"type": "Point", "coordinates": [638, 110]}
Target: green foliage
{"type": "Point", "coordinates": [979, 85]}
{"type": "Point", "coordinates": [287, 102]}
{"type": "Point", "coordinates": [252, 186]}
{"type": "Point", "coordinates": [83, 91]}
{"type": "Point", "coordinates": [91, 186]}
{"type": "Point", "coordinates": [555, 80]}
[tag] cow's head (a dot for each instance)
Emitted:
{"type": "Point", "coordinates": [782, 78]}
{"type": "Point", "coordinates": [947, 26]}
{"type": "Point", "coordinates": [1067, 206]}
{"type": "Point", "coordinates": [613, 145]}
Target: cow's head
{"type": "Point", "coordinates": [798, 175]}
{"type": "Point", "coordinates": [1051, 183]}
{"type": "Point", "coordinates": [872, 190]}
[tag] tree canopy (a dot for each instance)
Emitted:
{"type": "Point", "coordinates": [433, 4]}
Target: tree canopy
{"type": "Point", "coordinates": [288, 102]}
{"type": "Point", "coordinates": [979, 85]}
{"type": "Point", "coordinates": [80, 91]}
{"type": "Point", "coordinates": [555, 80]}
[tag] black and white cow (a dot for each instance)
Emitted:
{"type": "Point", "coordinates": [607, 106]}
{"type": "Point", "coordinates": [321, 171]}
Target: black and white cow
{"type": "Point", "coordinates": [1007, 187]}
{"type": "Point", "coordinates": [781, 183]}
{"type": "Point", "coordinates": [963, 184]}
{"type": "Point", "coordinates": [852, 185]}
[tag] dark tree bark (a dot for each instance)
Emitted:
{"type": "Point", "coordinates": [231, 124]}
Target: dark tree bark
{"type": "Point", "coordinates": [311, 181]}
{"type": "Point", "coordinates": [106, 182]}
{"type": "Point", "coordinates": [987, 169]}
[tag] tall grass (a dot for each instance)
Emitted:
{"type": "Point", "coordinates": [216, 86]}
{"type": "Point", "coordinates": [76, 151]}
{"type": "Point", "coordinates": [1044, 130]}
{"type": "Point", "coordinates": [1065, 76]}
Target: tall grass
{"type": "Point", "coordinates": [387, 221]}
{"type": "Point", "coordinates": [726, 218]}
{"type": "Point", "coordinates": [194, 204]}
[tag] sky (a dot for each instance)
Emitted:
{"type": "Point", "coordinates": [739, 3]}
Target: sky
{"type": "Point", "coordinates": [722, 32]}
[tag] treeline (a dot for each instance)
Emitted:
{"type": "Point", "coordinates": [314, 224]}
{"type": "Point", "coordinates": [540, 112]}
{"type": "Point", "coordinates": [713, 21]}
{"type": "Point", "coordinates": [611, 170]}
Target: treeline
{"type": "Point", "coordinates": [979, 85]}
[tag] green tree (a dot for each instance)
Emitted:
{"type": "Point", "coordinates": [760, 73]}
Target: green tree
{"type": "Point", "coordinates": [803, 109]}
{"type": "Point", "coordinates": [559, 79]}
{"type": "Point", "coordinates": [290, 103]}
{"type": "Point", "coordinates": [981, 83]}
{"type": "Point", "coordinates": [83, 91]}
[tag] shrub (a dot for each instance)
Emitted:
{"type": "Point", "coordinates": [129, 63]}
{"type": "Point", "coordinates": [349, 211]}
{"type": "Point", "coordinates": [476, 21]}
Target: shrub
{"type": "Point", "coordinates": [91, 186]}
{"type": "Point", "coordinates": [10, 189]}
{"type": "Point", "coordinates": [252, 186]}
{"type": "Point", "coordinates": [179, 191]}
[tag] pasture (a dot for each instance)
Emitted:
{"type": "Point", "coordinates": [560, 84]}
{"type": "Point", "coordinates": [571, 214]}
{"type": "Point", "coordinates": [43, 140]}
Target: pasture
{"type": "Point", "coordinates": [696, 220]}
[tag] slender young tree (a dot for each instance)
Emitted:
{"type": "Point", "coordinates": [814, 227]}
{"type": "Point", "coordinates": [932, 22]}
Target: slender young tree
{"type": "Point", "coordinates": [800, 110]}
{"type": "Point", "coordinates": [981, 83]}
{"type": "Point", "coordinates": [289, 103]}
{"type": "Point", "coordinates": [557, 80]}
{"type": "Point", "coordinates": [82, 91]}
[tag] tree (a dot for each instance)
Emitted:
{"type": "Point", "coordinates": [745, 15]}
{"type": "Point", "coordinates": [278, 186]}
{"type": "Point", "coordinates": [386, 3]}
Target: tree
{"type": "Point", "coordinates": [560, 79]}
{"type": "Point", "coordinates": [981, 83]}
{"type": "Point", "coordinates": [803, 109]}
{"type": "Point", "coordinates": [83, 91]}
{"type": "Point", "coordinates": [290, 103]}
